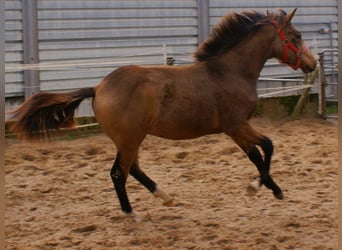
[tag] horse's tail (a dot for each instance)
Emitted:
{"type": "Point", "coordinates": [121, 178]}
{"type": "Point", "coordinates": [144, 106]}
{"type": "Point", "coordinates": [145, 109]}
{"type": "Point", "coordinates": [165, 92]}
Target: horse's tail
{"type": "Point", "coordinates": [44, 113]}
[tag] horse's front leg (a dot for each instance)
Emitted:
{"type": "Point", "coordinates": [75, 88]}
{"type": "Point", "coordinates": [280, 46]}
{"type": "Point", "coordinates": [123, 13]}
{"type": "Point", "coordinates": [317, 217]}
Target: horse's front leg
{"type": "Point", "coordinates": [247, 138]}
{"type": "Point", "coordinates": [265, 177]}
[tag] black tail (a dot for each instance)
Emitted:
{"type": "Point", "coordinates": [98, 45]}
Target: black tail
{"type": "Point", "coordinates": [44, 113]}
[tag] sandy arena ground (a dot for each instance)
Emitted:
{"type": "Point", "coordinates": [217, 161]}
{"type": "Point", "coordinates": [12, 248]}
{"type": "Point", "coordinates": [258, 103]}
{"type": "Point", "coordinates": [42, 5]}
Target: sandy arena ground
{"type": "Point", "coordinates": [60, 195]}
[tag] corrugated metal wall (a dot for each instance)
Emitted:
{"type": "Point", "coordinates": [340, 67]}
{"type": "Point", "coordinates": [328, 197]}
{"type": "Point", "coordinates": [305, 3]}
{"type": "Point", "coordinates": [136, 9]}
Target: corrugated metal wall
{"type": "Point", "coordinates": [81, 41]}
{"type": "Point", "coordinates": [102, 35]}
{"type": "Point", "coordinates": [13, 48]}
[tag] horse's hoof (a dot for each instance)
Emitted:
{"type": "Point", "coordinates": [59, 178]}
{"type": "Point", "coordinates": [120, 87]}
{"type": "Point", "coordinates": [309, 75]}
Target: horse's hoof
{"type": "Point", "coordinates": [169, 203]}
{"type": "Point", "coordinates": [134, 215]}
{"type": "Point", "coordinates": [279, 195]}
{"type": "Point", "coordinates": [253, 188]}
{"type": "Point", "coordinates": [168, 200]}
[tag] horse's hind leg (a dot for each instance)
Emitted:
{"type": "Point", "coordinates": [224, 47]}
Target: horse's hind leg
{"type": "Point", "coordinates": [123, 165]}
{"type": "Point", "coordinates": [247, 138]}
{"type": "Point", "coordinates": [139, 175]}
{"type": "Point", "coordinates": [119, 173]}
{"type": "Point", "coordinates": [119, 178]}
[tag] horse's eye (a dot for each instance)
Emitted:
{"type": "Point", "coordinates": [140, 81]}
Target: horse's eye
{"type": "Point", "coordinates": [296, 38]}
{"type": "Point", "coordinates": [297, 35]}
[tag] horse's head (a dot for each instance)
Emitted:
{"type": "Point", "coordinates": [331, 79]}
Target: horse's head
{"type": "Point", "coordinates": [289, 46]}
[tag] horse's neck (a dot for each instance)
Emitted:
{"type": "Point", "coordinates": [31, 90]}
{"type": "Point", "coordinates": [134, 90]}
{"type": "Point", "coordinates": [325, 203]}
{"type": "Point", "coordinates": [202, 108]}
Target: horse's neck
{"type": "Point", "coordinates": [252, 53]}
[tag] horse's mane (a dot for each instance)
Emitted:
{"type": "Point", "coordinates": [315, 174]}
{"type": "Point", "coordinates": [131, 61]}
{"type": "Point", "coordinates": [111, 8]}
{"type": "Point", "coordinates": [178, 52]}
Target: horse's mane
{"type": "Point", "coordinates": [230, 31]}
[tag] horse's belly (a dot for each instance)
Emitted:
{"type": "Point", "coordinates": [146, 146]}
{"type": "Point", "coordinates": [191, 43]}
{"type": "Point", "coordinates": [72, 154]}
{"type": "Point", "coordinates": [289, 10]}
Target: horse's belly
{"type": "Point", "coordinates": [184, 129]}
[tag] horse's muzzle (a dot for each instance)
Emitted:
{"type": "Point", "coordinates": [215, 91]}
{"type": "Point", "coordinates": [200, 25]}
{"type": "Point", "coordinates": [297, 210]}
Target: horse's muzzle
{"type": "Point", "coordinates": [307, 68]}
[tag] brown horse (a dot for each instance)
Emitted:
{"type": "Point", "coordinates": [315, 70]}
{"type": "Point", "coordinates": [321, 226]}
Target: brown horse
{"type": "Point", "coordinates": [215, 94]}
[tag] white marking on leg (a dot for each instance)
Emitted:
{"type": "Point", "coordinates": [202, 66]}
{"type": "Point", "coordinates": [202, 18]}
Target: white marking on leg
{"type": "Point", "coordinates": [253, 188]}
{"type": "Point", "coordinates": [136, 216]}
{"type": "Point", "coordinates": [165, 197]}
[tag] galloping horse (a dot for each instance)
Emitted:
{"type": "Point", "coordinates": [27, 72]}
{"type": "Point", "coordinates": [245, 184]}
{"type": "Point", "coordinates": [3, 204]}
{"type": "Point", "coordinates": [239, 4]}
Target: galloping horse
{"type": "Point", "coordinates": [217, 93]}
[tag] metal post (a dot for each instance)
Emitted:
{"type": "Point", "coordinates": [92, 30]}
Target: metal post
{"type": "Point", "coordinates": [203, 20]}
{"type": "Point", "coordinates": [2, 125]}
{"type": "Point", "coordinates": [321, 106]}
{"type": "Point", "coordinates": [30, 41]}
{"type": "Point", "coordinates": [339, 79]}
{"type": "Point", "coordinates": [331, 37]}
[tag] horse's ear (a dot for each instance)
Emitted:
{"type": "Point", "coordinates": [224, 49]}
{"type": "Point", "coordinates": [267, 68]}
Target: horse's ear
{"type": "Point", "coordinates": [290, 15]}
{"type": "Point", "coordinates": [270, 14]}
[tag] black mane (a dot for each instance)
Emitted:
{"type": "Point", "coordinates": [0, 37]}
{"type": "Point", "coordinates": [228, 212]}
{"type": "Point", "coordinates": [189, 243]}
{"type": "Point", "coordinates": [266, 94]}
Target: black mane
{"type": "Point", "coordinates": [230, 31]}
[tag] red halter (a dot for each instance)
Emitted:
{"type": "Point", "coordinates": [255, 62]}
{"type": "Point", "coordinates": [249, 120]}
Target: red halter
{"type": "Point", "coordinates": [289, 45]}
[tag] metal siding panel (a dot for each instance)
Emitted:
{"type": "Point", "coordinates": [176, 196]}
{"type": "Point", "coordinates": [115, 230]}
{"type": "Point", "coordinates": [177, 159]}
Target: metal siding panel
{"type": "Point", "coordinates": [114, 52]}
{"type": "Point", "coordinates": [66, 85]}
{"type": "Point", "coordinates": [114, 13]}
{"type": "Point", "coordinates": [121, 43]}
{"type": "Point", "coordinates": [105, 4]}
{"type": "Point", "coordinates": [13, 25]}
{"type": "Point", "coordinates": [117, 23]}
{"type": "Point", "coordinates": [251, 4]}
{"type": "Point", "coordinates": [13, 57]}
{"type": "Point", "coordinates": [14, 85]}
{"type": "Point", "coordinates": [117, 33]}
{"type": "Point", "coordinates": [103, 35]}
{"type": "Point", "coordinates": [12, 14]}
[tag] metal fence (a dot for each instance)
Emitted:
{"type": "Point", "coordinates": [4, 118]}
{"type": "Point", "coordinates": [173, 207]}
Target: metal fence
{"type": "Point", "coordinates": [328, 101]}
{"type": "Point", "coordinates": [63, 45]}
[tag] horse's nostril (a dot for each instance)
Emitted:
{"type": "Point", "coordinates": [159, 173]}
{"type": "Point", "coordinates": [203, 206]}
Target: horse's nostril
{"type": "Point", "coordinates": [314, 65]}
{"type": "Point", "coordinates": [312, 68]}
